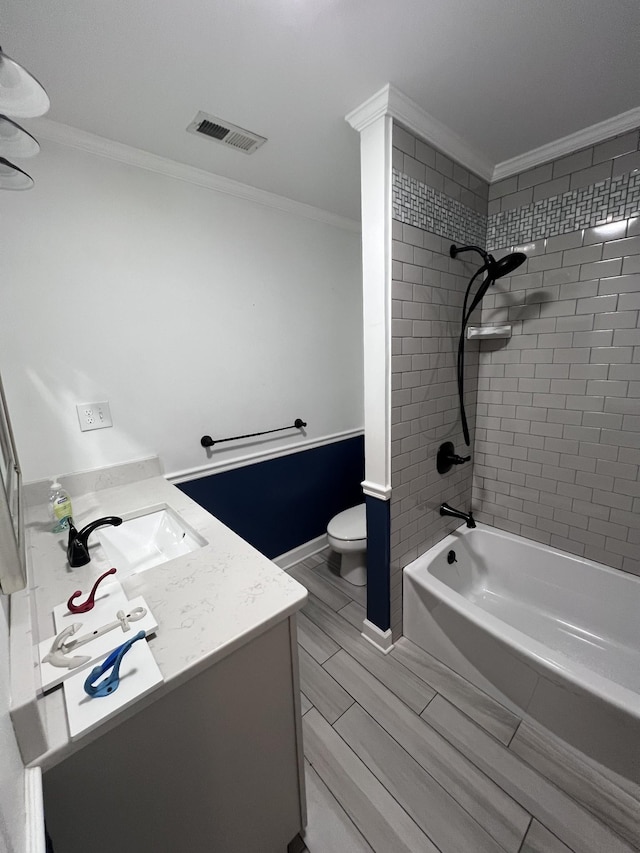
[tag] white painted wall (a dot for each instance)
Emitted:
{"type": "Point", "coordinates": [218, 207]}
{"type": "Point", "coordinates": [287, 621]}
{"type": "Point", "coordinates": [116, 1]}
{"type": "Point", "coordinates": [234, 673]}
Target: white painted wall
{"type": "Point", "coordinates": [191, 311]}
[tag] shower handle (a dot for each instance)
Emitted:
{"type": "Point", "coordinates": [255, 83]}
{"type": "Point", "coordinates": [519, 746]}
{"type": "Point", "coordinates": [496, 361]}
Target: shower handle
{"type": "Point", "coordinates": [447, 458]}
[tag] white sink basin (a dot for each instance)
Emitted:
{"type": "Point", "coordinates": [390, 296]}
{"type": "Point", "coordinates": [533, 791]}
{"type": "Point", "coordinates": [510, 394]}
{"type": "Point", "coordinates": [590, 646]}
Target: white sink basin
{"type": "Point", "coordinates": [146, 540]}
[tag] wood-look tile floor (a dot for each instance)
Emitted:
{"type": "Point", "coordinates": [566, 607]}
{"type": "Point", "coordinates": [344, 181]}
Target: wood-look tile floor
{"type": "Point", "coordinates": [402, 755]}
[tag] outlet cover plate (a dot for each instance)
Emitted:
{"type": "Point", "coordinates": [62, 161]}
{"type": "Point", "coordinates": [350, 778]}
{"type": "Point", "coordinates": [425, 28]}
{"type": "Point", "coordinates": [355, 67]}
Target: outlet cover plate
{"type": "Point", "coordinates": [94, 415]}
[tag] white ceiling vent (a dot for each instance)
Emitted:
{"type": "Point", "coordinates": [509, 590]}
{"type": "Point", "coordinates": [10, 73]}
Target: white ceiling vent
{"type": "Point", "coordinates": [226, 133]}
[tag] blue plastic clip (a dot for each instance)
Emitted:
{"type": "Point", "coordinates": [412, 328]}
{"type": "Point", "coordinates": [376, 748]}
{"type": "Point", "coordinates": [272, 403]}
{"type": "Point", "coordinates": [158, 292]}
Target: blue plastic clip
{"type": "Point", "coordinates": [110, 683]}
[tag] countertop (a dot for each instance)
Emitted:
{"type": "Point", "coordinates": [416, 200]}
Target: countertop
{"type": "Point", "coordinates": [207, 603]}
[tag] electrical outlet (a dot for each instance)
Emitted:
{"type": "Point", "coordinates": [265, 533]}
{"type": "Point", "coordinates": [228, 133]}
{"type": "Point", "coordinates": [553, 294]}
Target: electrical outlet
{"type": "Point", "coordinates": [94, 415]}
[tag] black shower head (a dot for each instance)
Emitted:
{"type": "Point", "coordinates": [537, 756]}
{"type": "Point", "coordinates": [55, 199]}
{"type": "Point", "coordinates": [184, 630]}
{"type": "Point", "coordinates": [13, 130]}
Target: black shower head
{"type": "Point", "coordinates": [505, 265]}
{"type": "Point", "coordinates": [494, 269]}
{"type": "Point", "coordinates": [491, 269]}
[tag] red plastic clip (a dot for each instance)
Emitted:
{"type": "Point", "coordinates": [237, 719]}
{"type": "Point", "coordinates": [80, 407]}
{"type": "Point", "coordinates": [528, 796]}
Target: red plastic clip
{"type": "Point", "coordinates": [89, 603]}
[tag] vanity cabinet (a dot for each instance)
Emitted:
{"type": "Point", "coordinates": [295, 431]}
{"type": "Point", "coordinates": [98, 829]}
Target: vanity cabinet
{"type": "Point", "coordinates": [213, 765]}
{"type": "Point", "coordinates": [211, 759]}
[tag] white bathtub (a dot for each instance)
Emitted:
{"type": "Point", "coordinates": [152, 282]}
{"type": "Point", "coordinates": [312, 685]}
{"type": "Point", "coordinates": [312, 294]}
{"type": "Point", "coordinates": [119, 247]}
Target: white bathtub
{"type": "Point", "coordinates": [551, 636]}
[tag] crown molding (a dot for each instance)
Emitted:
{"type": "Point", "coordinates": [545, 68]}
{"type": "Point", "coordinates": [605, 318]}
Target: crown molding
{"type": "Point", "coordinates": [391, 101]}
{"type": "Point", "coordinates": [372, 109]}
{"type": "Point", "coordinates": [72, 137]}
{"type": "Point", "coordinates": [568, 144]}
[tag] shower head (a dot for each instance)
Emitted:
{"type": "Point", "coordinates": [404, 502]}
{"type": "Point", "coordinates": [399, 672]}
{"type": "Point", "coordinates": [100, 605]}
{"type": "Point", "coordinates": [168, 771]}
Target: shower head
{"type": "Point", "coordinates": [494, 269]}
{"type": "Point", "coordinates": [505, 265]}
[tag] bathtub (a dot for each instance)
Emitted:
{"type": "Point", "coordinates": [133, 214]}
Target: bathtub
{"type": "Point", "coordinates": [553, 637]}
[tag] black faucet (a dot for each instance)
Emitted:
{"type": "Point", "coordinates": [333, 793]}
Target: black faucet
{"type": "Point", "coordinates": [445, 509]}
{"type": "Point", "coordinates": [77, 549]}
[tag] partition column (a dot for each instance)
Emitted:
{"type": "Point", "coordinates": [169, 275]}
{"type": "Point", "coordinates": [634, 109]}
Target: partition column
{"type": "Point", "coordinates": [375, 127]}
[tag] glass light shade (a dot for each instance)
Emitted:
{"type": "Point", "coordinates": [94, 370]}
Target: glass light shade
{"type": "Point", "coordinates": [15, 141]}
{"type": "Point", "coordinates": [13, 178]}
{"type": "Point", "coordinates": [20, 93]}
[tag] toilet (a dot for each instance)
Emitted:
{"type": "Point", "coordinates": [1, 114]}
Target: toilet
{"type": "Point", "coordinates": [347, 535]}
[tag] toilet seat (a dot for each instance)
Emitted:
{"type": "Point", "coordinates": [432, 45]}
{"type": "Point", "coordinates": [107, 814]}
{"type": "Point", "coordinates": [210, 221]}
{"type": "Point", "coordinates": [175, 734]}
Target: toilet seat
{"type": "Point", "coordinates": [350, 525]}
{"type": "Point", "coordinates": [347, 534]}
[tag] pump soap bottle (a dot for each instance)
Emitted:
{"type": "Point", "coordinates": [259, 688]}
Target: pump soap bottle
{"type": "Point", "coordinates": [59, 507]}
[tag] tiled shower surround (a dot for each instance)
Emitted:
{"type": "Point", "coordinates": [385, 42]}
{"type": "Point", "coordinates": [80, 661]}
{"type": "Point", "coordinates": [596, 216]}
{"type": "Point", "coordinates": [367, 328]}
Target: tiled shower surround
{"type": "Point", "coordinates": [590, 187]}
{"type": "Point", "coordinates": [557, 418]}
{"type": "Point", "coordinates": [557, 450]}
{"type": "Point", "coordinates": [428, 289]}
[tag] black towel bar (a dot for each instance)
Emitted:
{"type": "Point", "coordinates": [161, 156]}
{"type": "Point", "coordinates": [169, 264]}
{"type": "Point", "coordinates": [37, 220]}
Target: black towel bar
{"type": "Point", "coordinates": [207, 441]}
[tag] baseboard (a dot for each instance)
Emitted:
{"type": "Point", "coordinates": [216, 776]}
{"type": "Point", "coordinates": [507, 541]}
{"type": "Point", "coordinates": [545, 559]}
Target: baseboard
{"type": "Point", "coordinates": [285, 561]}
{"type": "Point", "coordinates": [34, 809]}
{"type": "Point", "coordinates": [382, 640]}
{"type": "Point", "coordinates": [297, 845]}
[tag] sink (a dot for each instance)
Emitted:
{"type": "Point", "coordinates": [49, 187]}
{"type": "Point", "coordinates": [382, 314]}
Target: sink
{"type": "Point", "coordinates": [152, 537]}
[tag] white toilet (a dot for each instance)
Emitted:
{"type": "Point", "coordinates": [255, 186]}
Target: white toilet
{"type": "Point", "coordinates": [347, 534]}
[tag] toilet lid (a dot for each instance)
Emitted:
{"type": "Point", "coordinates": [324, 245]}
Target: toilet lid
{"type": "Point", "coordinates": [350, 524]}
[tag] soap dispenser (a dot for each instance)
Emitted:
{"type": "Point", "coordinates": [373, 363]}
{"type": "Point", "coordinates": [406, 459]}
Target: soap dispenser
{"type": "Point", "coordinates": [59, 507]}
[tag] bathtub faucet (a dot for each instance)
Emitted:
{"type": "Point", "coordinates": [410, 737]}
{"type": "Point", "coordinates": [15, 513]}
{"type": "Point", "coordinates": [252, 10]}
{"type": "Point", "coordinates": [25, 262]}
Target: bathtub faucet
{"type": "Point", "coordinates": [445, 509]}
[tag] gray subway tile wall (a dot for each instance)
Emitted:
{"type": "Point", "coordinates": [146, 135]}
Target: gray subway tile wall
{"type": "Point", "coordinates": [557, 448]}
{"type": "Point", "coordinates": [428, 289]}
{"type": "Point", "coordinates": [448, 213]}
{"type": "Point", "coordinates": [557, 407]}
{"type": "Point", "coordinates": [591, 187]}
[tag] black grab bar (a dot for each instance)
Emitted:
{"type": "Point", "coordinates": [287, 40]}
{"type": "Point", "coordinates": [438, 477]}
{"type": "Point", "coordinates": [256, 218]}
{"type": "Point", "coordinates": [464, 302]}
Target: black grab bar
{"type": "Point", "coordinates": [207, 441]}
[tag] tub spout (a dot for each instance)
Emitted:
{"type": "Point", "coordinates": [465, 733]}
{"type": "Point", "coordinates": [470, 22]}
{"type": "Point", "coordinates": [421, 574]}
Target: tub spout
{"type": "Point", "coordinates": [445, 509]}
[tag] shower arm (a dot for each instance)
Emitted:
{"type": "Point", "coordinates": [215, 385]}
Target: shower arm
{"type": "Point", "coordinates": [454, 251]}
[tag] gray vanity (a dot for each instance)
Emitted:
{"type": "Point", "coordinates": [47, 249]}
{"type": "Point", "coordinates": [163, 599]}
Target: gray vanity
{"type": "Point", "coordinates": [211, 759]}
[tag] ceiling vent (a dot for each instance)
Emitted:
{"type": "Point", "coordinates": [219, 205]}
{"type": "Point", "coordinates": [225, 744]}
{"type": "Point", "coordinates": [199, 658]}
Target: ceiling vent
{"type": "Point", "coordinates": [226, 133]}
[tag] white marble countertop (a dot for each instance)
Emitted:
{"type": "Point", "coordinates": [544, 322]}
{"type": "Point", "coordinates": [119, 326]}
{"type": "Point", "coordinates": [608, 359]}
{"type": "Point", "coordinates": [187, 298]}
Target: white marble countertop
{"type": "Point", "coordinates": [207, 603]}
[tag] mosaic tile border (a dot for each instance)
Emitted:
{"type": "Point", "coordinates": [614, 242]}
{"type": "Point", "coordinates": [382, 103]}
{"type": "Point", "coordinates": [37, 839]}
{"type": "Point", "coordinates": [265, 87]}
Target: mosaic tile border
{"type": "Point", "coordinates": [416, 203]}
{"type": "Point", "coordinates": [610, 200]}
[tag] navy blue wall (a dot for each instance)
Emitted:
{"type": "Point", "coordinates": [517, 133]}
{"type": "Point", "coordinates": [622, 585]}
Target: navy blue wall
{"type": "Point", "coordinates": [378, 558]}
{"type": "Point", "coordinates": [282, 503]}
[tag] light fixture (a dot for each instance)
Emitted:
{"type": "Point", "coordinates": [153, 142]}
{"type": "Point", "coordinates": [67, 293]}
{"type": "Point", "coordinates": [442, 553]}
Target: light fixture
{"type": "Point", "coordinates": [13, 178]}
{"type": "Point", "coordinates": [20, 93]}
{"type": "Point", "coordinates": [15, 141]}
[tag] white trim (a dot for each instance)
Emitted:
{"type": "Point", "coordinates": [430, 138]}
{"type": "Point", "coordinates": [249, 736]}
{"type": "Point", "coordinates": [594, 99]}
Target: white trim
{"type": "Point", "coordinates": [371, 110]}
{"type": "Point", "coordinates": [72, 137]}
{"type": "Point", "coordinates": [568, 144]}
{"type": "Point", "coordinates": [375, 490]}
{"type": "Point", "coordinates": [34, 811]}
{"type": "Point", "coordinates": [392, 102]}
{"type": "Point", "coordinates": [260, 455]}
{"type": "Point", "coordinates": [296, 555]}
{"type": "Point", "coordinates": [382, 640]}
{"type": "Point", "coordinates": [376, 191]}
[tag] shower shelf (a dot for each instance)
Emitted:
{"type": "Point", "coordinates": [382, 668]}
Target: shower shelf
{"type": "Point", "coordinates": [492, 332]}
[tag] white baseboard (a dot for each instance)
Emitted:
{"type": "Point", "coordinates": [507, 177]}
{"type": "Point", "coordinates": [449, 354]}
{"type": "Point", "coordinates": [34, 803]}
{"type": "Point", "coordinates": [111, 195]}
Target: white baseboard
{"type": "Point", "coordinates": [285, 561]}
{"type": "Point", "coordinates": [382, 640]}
